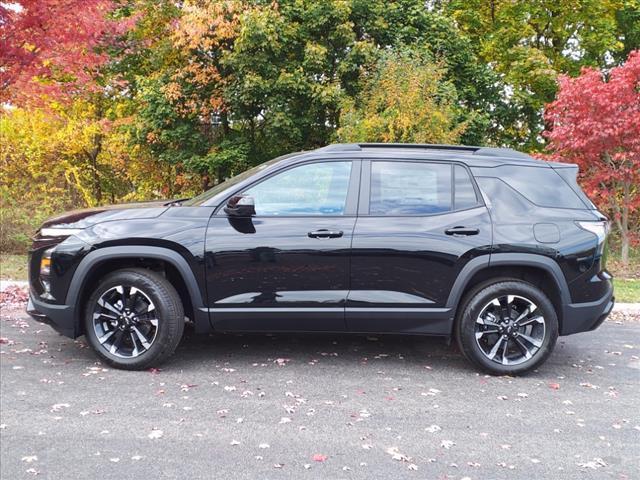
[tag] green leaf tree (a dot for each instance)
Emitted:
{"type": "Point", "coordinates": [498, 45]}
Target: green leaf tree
{"type": "Point", "coordinates": [406, 99]}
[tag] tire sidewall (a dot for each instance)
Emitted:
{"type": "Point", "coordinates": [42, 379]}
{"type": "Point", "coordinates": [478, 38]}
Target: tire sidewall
{"type": "Point", "coordinates": [166, 317]}
{"type": "Point", "coordinates": [473, 308]}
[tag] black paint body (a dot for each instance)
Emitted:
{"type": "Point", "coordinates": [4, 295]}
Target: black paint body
{"type": "Point", "coordinates": [394, 274]}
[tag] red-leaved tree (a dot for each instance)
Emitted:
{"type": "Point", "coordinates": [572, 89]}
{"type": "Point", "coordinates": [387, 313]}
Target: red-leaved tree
{"type": "Point", "coordinates": [50, 47]}
{"type": "Point", "coordinates": [595, 122]}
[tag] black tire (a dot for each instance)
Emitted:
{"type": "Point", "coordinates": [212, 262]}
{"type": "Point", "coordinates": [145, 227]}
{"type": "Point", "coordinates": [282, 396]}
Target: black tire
{"type": "Point", "coordinates": [480, 301]}
{"type": "Point", "coordinates": [168, 316]}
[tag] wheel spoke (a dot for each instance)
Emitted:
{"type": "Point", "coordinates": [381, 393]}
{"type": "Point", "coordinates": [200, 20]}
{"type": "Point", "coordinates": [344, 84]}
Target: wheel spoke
{"type": "Point", "coordinates": [532, 341]}
{"type": "Point", "coordinates": [537, 318]}
{"type": "Point", "coordinates": [528, 311]}
{"type": "Point", "coordinates": [495, 349]}
{"type": "Point", "coordinates": [133, 296]}
{"type": "Point", "coordinates": [117, 342]}
{"type": "Point", "coordinates": [135, 345]}
{"type": "Point", "coordinates": [487, 321]}
{"type": "Point", "coordinates": [505, 349]}
{"type": "Point", "coordinates": [505, 307]}
{"type": "Point", "coordinates": [103, 303]}
{"type": "Point", "coordinates": [485, 332]}
{"type": "Point", "coordinates": [143, 340]}
{"type": "Point", "coordinates": [523, 347]}
{"type": "Point", "coordinates": [106, 336]}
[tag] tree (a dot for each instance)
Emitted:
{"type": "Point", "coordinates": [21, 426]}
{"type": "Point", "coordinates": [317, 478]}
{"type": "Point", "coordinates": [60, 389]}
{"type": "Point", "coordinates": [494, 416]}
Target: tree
{"type": "Point", "coordinates": [249, 80]}
{"type": "Point", "coordinates": [404, 100]}
{"type": "Point", "coordinates": [595, 122]}
{"type": "Point", "coordinates": [51, 47]}
{"type": "Point", "coordinates": [530, 42]}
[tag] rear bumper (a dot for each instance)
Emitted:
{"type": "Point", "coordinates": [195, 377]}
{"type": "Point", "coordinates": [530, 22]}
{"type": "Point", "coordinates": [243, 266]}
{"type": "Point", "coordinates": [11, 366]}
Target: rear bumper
{"type": "Point", "coordinates": [60, 317]}
{"type": "Point", "coordinates": [584, 317]}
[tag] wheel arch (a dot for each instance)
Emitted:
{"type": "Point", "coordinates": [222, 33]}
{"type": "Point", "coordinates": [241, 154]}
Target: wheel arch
{"type": "Point", "coordinates": [104, 260]}
{"type": "Point", "coordinates": [541, 271]}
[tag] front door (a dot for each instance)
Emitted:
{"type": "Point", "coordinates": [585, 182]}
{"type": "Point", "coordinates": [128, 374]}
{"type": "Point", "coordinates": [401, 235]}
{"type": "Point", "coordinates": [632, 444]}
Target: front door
{"type": "Point", "coordinates": [287, 267]}
{"type": "Point", "coordinates": [420, 222]}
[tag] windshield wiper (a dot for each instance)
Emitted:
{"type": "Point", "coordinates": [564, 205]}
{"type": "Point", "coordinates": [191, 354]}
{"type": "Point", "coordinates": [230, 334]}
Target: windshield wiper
{"type": "Point", "coordinates": [176, 203]}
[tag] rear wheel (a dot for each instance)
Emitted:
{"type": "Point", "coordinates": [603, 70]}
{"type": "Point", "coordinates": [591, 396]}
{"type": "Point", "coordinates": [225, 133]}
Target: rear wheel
{"type": "Point", "coordinates": [134, 319]}
{"type": "Point", "coordinates": [507, 327]}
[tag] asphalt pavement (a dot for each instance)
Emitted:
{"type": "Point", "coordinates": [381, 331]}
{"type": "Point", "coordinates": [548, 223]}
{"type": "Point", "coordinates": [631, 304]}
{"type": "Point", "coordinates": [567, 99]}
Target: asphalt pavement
{"type": "Point", "coordinates": [317, 407]}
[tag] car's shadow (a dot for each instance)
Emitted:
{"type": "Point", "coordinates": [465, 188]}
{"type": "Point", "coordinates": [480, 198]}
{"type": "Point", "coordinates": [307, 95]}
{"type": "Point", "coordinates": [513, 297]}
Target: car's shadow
{"type": "Point", "coordinates": [299, 348]}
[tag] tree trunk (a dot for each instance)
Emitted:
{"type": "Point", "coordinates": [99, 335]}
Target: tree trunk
{"type": "Point", "coordinates": [624, 223]}
{"type": "Point", "coordinates": [97, 189]}
{"type": "Point", "coordinates": [93, 160]}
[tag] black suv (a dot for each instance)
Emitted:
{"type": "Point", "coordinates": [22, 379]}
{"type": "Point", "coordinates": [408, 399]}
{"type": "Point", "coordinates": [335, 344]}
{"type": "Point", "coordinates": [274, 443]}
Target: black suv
{"type": "Point", "coordinates": [490, 246]}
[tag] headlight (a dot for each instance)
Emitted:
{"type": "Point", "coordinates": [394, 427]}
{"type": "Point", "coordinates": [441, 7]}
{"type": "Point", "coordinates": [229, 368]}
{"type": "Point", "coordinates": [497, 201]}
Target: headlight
{"type": "Point", "coordinates": [59, 232]}
{"type": "Point", "coordinates": [45, 262]}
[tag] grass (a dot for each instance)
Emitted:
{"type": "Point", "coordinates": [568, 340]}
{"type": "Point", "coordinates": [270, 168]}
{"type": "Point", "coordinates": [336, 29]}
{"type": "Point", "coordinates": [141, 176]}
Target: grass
{"type": "Point", "coordinates": [14, 267]}
{"type": "Point", "coordinates": [627, 290]}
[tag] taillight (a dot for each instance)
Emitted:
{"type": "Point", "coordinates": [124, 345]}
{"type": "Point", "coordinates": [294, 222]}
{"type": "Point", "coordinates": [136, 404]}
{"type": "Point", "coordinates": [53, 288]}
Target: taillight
{"type": "Point", "coordinates": [599, 228]}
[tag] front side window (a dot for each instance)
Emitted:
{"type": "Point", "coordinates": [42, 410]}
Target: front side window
{"type": "Point", "coordinates": [410, 188]}
{"type": "Point", "coordinates": [312, 189]}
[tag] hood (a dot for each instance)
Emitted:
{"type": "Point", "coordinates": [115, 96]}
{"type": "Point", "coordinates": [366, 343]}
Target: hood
{"type": "Point", "coordinates": [90, 216]}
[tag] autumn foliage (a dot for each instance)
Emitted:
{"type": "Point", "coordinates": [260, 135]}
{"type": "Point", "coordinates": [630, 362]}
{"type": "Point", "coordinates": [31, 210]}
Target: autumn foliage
{"type": "Point", "coordinates": [52, 47]}
{"type": "Point", "coordinates": [595, 122]}
{"type": "Point", "coordinates": [107, 101]}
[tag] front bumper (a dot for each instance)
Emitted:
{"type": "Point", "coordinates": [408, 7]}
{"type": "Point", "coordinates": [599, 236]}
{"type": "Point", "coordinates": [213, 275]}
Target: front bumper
{"type": "Point", "coordinates": [584, 317]}
{"type": "Point", "coordinates": [61, 317]}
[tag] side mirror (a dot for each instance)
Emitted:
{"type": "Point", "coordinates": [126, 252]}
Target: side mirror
{"type": "Point", "coordinates": [240, 206]}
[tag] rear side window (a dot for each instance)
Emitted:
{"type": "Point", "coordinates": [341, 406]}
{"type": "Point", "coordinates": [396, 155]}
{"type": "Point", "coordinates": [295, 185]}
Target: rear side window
{"type": "Point", "coordinates": [465, 194]}
{"type": "Point", "coordinates": [410, 188]}
{"type": "Point", "coordinates": [542, 186]}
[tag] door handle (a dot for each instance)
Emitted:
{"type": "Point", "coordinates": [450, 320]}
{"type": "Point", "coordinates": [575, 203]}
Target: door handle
{"type": "Point", "coordinates": [324, 233]}
{"type": "Point", "coordinates": [462, 231]}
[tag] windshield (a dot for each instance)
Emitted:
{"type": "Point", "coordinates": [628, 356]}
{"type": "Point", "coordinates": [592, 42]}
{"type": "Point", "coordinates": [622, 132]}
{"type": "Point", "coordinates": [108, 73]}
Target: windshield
{"type": "Point", "coordinates": [221, 187]}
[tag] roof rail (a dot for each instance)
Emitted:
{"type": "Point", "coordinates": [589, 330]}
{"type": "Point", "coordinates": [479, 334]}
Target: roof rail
{"type": "Point", "coordinates": [421, 146]}
{"type": "Point", "coordinates": [484, 151]}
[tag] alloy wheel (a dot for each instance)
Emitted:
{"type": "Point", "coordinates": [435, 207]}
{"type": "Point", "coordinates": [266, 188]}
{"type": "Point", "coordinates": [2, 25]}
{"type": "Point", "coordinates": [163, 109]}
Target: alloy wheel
{"type": "Point", "coordinates": [510, 330]}
{"type": "Point", "coordinates": [125, 321]}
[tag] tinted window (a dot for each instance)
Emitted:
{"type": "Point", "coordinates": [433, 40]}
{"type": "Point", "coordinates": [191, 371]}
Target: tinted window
{"type": "Point", "coordinates": [409, 188]}
{"type": "Point", "coordinates": [465, 194]}
{"type": "Point", "coordinates": [312, 189]}
{"type": "Point", "coordinates": [542, 186]}
{"type": "Point", "coordinates": [220, 189]}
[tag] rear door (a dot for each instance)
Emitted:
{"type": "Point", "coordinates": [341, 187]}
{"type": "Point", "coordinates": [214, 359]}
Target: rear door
{"type": "Point", "coordinates": [419, 223]}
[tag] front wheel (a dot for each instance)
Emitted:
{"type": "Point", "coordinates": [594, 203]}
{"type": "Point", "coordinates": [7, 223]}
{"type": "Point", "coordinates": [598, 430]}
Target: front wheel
{"type": "Point", "coordinates": [134, 319]}
{"type": "Point", "coordinates": [507, 327]}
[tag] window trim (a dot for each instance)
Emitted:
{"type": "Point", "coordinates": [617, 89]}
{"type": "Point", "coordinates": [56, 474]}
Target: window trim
{"type": "Point", "coordinates": [365, 187]}
{"type": "Point", "coordinates": [351, 202]}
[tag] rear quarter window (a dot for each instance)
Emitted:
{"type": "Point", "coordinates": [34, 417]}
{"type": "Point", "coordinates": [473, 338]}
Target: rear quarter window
{"type": "Point", "coordinates": [542, 186]}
